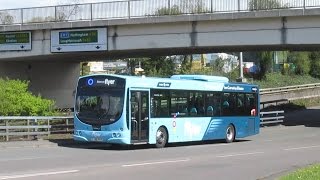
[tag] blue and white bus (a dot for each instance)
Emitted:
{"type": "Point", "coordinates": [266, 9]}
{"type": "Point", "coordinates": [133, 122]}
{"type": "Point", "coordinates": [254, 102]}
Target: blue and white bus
{"type": "Point", "coordinates": [119, 109]}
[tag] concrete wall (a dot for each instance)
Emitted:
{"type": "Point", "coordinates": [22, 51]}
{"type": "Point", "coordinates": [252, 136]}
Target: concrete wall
{"type": "Point", "coordinates": [53, 80]}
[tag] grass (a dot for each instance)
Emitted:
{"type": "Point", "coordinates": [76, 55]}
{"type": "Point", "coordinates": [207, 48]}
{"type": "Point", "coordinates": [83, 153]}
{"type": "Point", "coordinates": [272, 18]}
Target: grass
{"type": "Point", "coordinates": [295, 105]}
{"type": "Point", "coordinates": [279, 80]}
{"type": "Point", "coordinates": [308, 173]}
{"type": "Point", "coordinates": [307, 102]}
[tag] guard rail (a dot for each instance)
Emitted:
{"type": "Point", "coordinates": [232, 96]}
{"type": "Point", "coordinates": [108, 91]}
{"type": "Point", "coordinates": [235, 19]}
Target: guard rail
{"type": "Point", "coordinates": [288, 88]}
{"type": "Point", "coordinates": [33, 126]}
{"type": "Point", "coordinates": [21, 126]}
{"type": "Point", "coordinates": [271, 117]}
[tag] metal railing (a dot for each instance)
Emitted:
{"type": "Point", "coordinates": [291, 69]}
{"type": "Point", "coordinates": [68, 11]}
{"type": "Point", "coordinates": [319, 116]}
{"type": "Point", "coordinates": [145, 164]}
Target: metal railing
{"type": "Point", "coordinates": [33, 126]}
{"type": "Point", "coordinates": [289, 88]}
{"type": "Point", "coordinates": [142, 8]}
{"type": "Point", "coordinates": [271, 117]}
{"type": "Point", "coordinates": [13, 127]}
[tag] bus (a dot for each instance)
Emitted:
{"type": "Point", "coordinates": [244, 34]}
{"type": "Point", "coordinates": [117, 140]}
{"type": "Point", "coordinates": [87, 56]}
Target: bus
{"type": "Point", "coordinates": [126, 110]}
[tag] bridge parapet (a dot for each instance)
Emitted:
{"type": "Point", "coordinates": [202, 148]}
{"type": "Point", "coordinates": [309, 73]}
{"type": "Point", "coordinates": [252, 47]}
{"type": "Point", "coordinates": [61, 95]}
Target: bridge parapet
{"type": "Point", "coordinates": [132, 9]}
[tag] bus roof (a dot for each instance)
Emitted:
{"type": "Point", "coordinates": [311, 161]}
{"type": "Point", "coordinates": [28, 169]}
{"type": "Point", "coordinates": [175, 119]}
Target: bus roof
{"type": "Point", "coordinates": [202, 78]}
{"type": "Point", "coordinates": [184, 82]}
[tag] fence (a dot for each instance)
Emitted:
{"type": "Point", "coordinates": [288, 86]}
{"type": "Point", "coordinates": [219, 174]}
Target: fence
{"type": "Point", "coordinates": [288, 88]}
{"type": "Point", "coordinates": [271, 117]}
{"type": "Point", "coordinates": [142, 8]}
{"type": "Point", "coordinates": [19, 126]}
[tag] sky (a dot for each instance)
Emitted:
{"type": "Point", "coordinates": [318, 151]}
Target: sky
{"type": "Point", "coordinates": [14, 4]}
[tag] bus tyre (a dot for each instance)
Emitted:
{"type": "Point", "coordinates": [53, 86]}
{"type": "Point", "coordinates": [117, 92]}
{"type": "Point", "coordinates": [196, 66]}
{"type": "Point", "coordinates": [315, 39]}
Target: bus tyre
{"type": "Point", "coordinates": [161, 137]}
{"type": "Point", "coordinates": [230, 134]}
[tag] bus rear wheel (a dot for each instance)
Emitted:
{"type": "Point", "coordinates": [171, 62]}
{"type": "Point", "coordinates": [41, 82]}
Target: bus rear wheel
{"type": "Point", "coordinates": [230, 134]}
{"type": "Point", "coordinates": [161, 137]}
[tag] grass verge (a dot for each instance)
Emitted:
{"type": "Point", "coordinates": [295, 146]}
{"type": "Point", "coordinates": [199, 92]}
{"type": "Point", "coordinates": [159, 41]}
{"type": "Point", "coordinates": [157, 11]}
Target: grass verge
{"type": "Point", "coordinates": [308, 173]}
{"type": "Point", "coordinates": [279, 80]}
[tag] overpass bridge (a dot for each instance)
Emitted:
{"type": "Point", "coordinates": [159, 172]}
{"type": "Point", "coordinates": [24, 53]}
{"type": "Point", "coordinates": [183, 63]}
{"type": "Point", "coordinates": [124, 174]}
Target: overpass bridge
{"type": "Point", "coordinates": [49, 42]}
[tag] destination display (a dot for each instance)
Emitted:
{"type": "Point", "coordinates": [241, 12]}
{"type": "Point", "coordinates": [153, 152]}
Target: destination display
{"type": "Point", "coordinates": [79, 40]}
{"type": "Point", "coordinates": [15, 41]}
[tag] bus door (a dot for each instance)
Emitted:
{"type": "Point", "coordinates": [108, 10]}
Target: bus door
{"type": "Point", "coordinates": [139, 115]}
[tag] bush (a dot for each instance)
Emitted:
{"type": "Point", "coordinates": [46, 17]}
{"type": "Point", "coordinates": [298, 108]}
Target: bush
{"type": "Point", "coordinates": [278, 80]}
{"type": "Point", "coordinates": [302, 62]}
{"type": "Point", "coordinates": [16, 100]}
{"type": "Point", "coordinates": [315, 64]}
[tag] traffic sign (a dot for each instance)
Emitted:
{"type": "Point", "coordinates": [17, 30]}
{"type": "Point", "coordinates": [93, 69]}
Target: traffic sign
{"type": "Point", "coordinates": [71, 40]}
{"type": "Point", "coordinates": [15, 41]}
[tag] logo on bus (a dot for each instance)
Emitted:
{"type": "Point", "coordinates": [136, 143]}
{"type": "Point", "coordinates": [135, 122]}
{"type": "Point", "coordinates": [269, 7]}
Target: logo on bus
{"type": "Point", "coordinates": [164, 84]}
{"type": "Point", "coordinates": [233, 88]}
{"type": "Point", "coordinates": [107, 82]}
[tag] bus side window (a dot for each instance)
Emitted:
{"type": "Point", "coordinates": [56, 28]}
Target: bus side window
{"type": "Point", "coordinates": [193, 112]}
{"type": "Point", "coordinates": [250, 105]}
{"type": "Point", "coordinates": [210, 111]}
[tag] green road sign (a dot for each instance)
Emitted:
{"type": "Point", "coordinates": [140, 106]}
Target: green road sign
{"type": "Point", "coordinates": [75, 37]}
{"type": "Point", "coordinates": [79, 40]}
{"type": "Point", "coordinates": [15, 38]}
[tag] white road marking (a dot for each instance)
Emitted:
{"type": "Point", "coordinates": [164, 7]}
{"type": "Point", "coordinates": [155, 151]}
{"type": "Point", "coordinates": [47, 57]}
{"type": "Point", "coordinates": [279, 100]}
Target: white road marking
{"type": "Point", "coordinates": [27, 158]}
{"type": "Point", "coordinates": [206, 146]}
{"type": "Point", "coordinates": [37, 174]}
{"type": "Point", "coordinates": [268, 140]}
{"type": "Point", "coordinates": [241, 154]}
{"type": "Point", "coordinates": [305, 147]}
{"type": "Point", "coordinates": [157, 162]}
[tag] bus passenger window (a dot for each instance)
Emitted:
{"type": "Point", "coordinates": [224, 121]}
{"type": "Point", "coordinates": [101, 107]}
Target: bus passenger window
{"type": "Point", "coordinates": [210, 111]}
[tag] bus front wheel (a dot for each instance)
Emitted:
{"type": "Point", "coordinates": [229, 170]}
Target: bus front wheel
{"type": "Point", "coordinates": [230, 133]}
{"type": "Point", "coordinates": [161, 137]}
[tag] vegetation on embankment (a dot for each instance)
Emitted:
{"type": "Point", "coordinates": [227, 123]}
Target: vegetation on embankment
{"type": "Point", "coordinates": [310, 173]}
{"type": "Point", "coordinates": [17, 100]}
{"type": "Point", "coordinates": [273, 80]}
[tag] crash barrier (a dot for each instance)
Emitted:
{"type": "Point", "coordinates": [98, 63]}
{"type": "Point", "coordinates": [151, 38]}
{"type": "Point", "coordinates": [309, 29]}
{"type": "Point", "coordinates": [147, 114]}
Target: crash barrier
{"type": "Point", "coordinates": [33, 126]}
{"type": "Point", "coordinates": [271, 117]}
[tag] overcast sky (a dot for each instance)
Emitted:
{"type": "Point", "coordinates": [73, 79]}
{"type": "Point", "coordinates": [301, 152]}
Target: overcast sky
{"type": "Point", "coordinates": [13, 4]}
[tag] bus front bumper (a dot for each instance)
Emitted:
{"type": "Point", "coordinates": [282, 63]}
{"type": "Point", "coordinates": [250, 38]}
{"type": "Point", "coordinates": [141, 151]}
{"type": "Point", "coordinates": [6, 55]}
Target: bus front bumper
{"type": "Point", "coordinates": [100, 136]}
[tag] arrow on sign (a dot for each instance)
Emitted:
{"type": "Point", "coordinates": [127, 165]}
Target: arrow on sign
{"type": "Point", "coordinates": [22, 46]}
{"type": "Point", "coordinates": [59, 48]}
{"type": "Point", "coordinates": [98, 47]}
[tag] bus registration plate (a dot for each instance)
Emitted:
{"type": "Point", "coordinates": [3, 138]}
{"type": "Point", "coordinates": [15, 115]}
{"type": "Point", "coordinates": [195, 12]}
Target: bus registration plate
{"type": "Point", "coordinates": [96, 136]}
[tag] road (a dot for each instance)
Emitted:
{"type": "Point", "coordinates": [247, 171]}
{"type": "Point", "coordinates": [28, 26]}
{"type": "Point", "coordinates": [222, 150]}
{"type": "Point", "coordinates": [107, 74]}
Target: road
{"type": "Point", "coordinates": [274, 152]}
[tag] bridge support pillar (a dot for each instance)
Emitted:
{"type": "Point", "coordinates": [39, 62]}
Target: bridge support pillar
{"type": "Point", "coordinates": [53, 80]}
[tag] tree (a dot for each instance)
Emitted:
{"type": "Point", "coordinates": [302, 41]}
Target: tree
{"type": "Point", "coordinates": [174, 10]}
{"type": "Point", "coordinates": [315, 64]}
{"type": "Point", "coordinates": [265, 62]}
{"type": "Point", "coordinates": [194, 6]}
{"type": "Point", "coordinates": [16, 100]}
{"type": "Point", "coordinates": [301, 61]}
{"type": "Point", "coordinates": [218, 64]}
{"type": "Point", "coordinates": [255, 5]}
{"type": "Point", "coordinates": [160, 66]}
{"type": "Point", "coordinates": [6, 18]}
{"type": "Point", "coordinates": [66, 9]}
{"type": "Point", "coordinates": [41, 19]}
{"type": "Point", "coordinates": [185, 7]}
